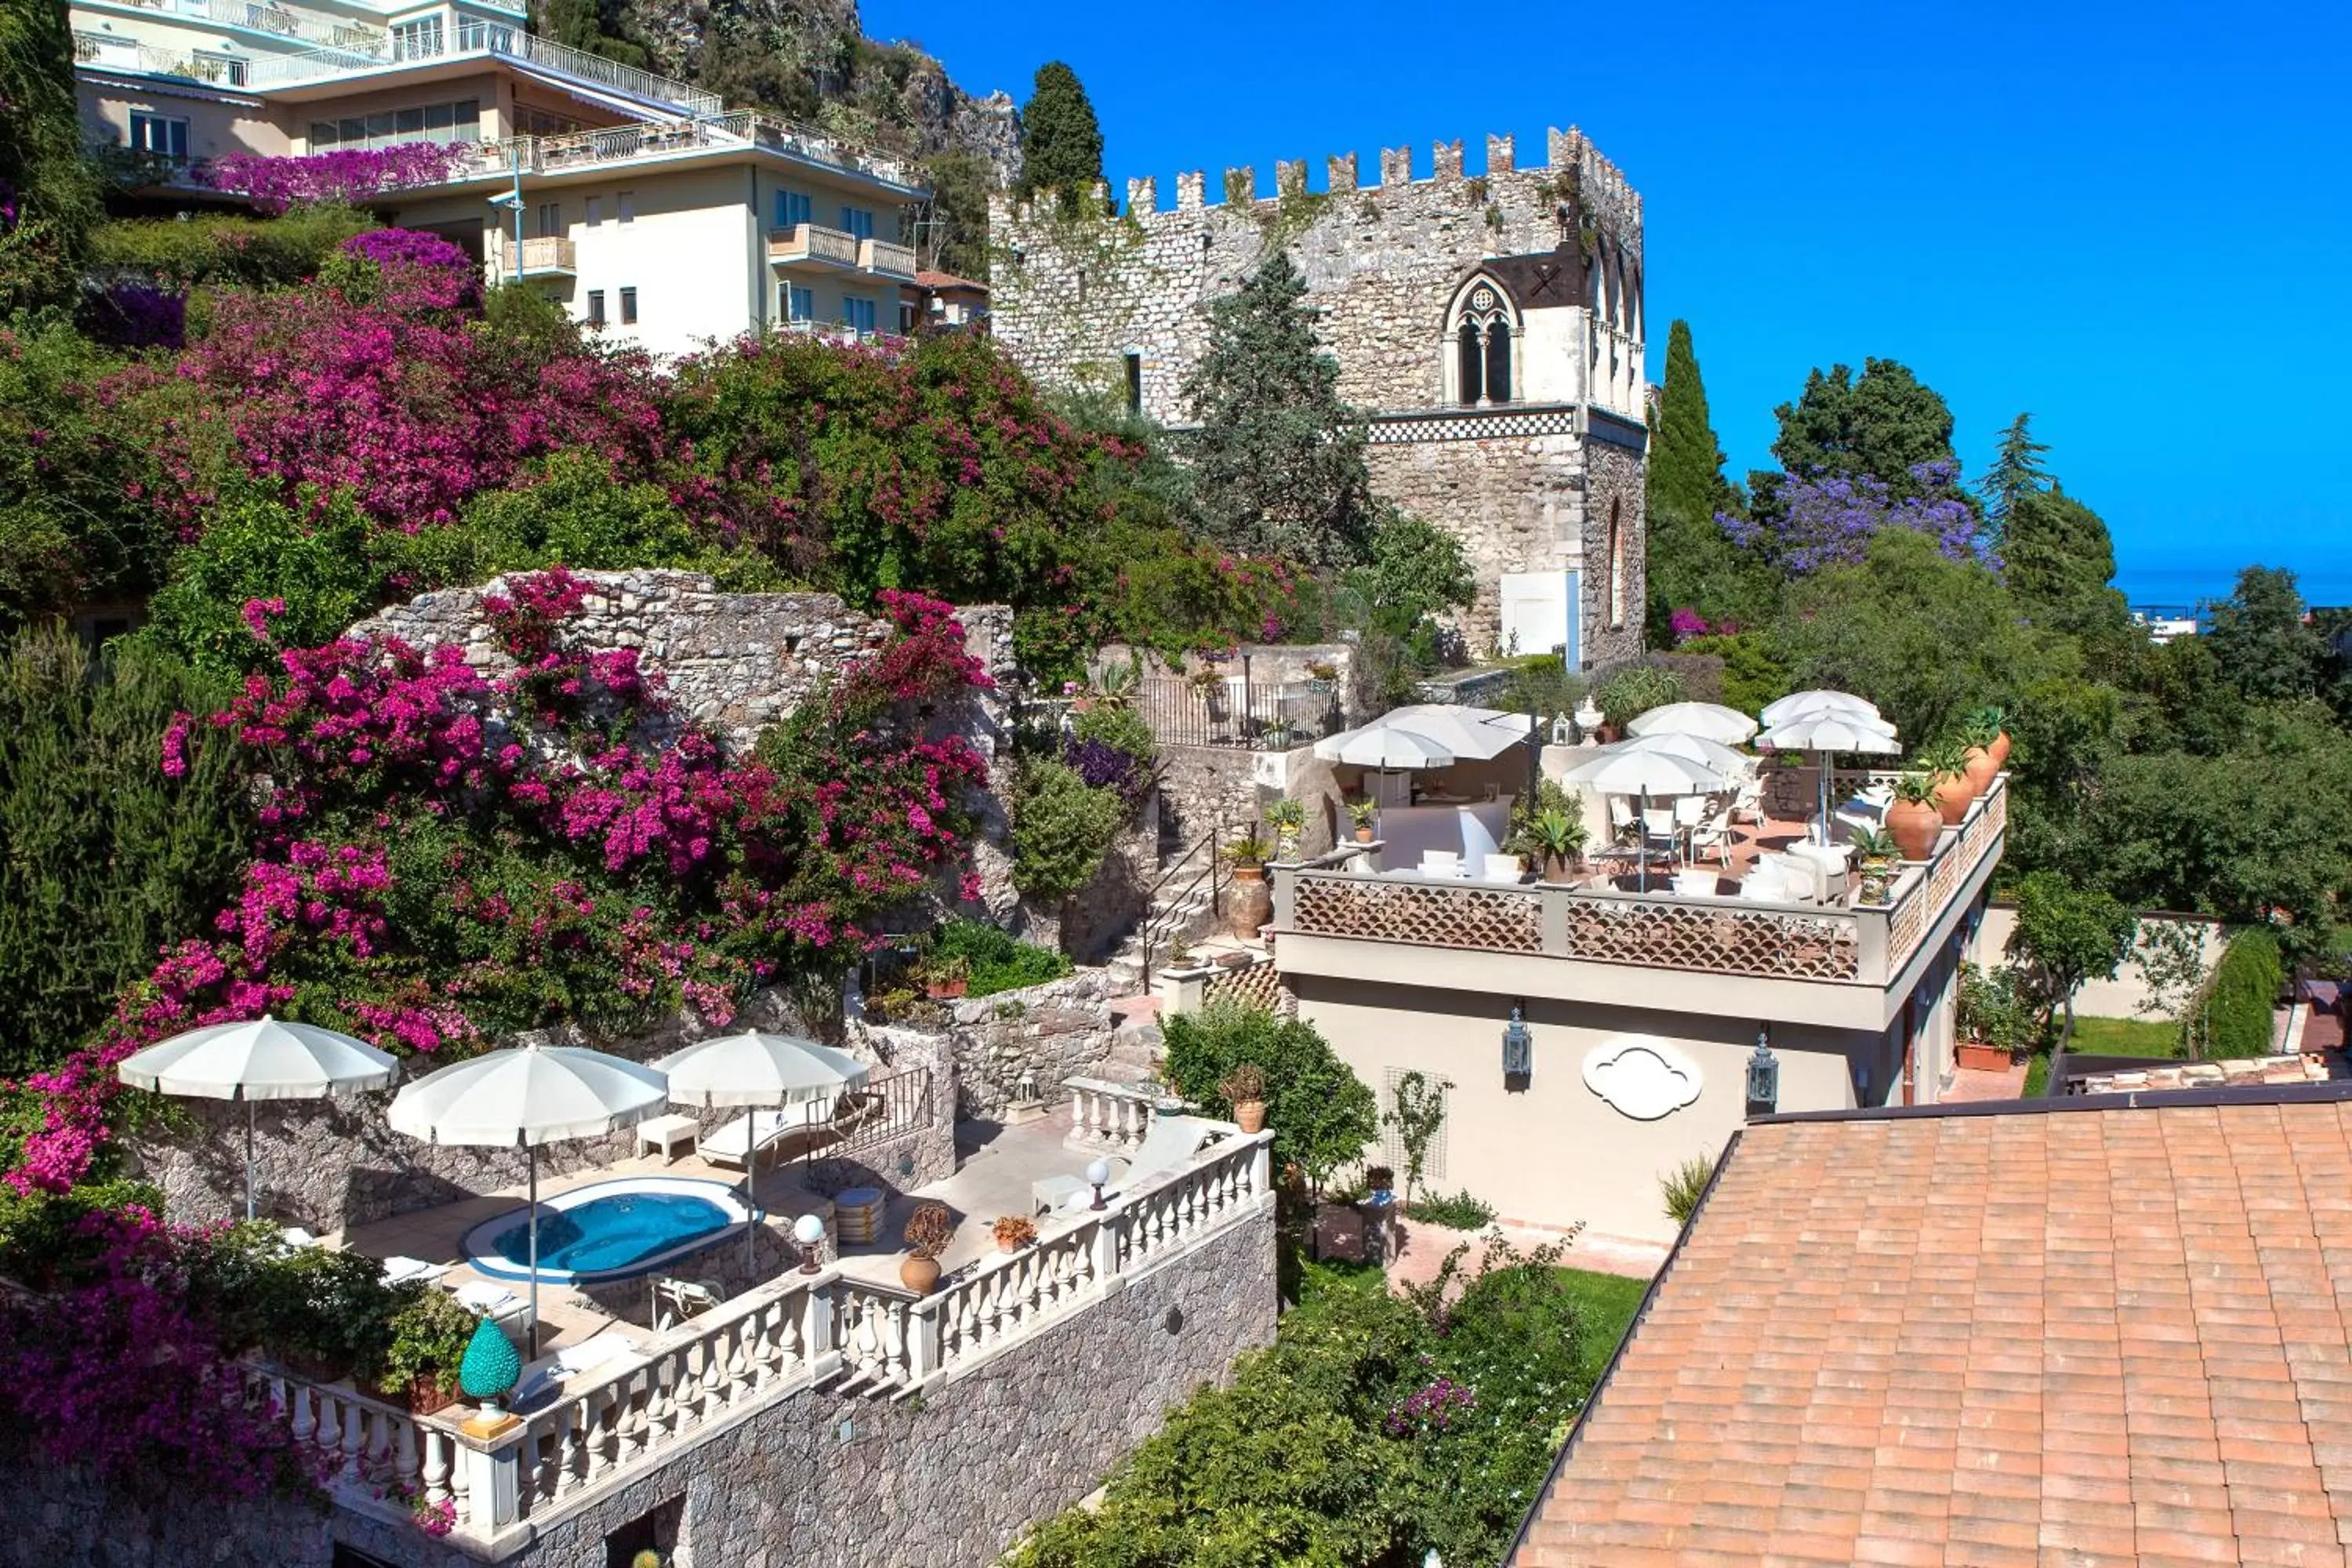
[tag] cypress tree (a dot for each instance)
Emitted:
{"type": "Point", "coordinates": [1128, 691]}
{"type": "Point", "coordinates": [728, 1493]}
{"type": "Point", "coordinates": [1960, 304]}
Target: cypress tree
{"type": "Point", "coordinates": [1693, 564]}
{"type": "Point", "coordinates": [49, 188]}
{"type": "Point", "coordinates": [1686, 462]}
{"type": "Point", "coordinates": [1061, 143]}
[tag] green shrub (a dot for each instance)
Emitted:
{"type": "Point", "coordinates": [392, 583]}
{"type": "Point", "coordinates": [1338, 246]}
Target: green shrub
{"type": "Point", "coordinates": [573, 510]}
{"type": "Point", "coordinates": [69, 531]}
{"type": "Point", "coordinates": [1116, 725]}
{"type": "Point", "coordinates": [104, 859]}
{"type": "Point", "coordinates": [41, 1242]}
{"type": "Point", "coordinates": [2245, 991]}
{"type": "Point", "coordinates": [1632, 692]}
{"type": "Point", "coordinates": [1752, 678]}
{"type": "Point", "coordinates": [1322, 1112]}
{"type": "Point", "coordinates": [426, 1333]}
{"type": "Point", "coordinates": [995, 959]}
{"type": "Point", "coordinates": [228, 247]}
{"type": "Point", "coordinates": [1061, 829]}
{"type": "Point", "coordinates": [1457, 1211]}
{"type": "Point", "coordinates": [1684, 1186]}
{"type": "Point", "coordinates": [256, 548]}
{"type": "Point", "coordinates": [1996, 1007]}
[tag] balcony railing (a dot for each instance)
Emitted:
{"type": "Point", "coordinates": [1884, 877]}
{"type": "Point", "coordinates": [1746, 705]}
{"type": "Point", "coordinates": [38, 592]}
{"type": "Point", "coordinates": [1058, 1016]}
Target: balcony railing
{"type": "Point", "coordinates": [500, 40]}
{"type": "Point", "coordinates": [886, 258]}
{"type": "Point", "coordinates": [619, 143]}
{"type": "Point", "coordinates": [807, 243]}
{"type": "Point", "coordinates": [543, 255]}
{"type": "Point", "coordinates": [263, 16]}
{"type": "Point", "coordinates": [1264, 716]}
{"type": "Point", "coordinates": [1864, 944]}
{"type": "Point", "coordinates": [790, 1335]}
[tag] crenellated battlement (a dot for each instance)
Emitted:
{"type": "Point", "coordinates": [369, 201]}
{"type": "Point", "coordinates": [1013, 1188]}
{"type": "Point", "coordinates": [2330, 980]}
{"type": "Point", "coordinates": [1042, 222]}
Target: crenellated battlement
{"type": "Point", "coordinates": [1590, 180]}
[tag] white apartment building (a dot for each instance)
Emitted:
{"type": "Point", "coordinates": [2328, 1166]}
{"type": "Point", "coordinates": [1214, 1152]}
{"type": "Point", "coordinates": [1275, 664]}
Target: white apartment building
{"type": "Point", "coordinates": [647, 206]}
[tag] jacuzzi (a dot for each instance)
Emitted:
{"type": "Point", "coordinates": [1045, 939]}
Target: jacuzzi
{"type": "Point", "coordinates": [609, 1230]}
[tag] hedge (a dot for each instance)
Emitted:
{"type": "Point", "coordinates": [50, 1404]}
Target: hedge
{"type": "Point", "coordinates": [2245, 989]}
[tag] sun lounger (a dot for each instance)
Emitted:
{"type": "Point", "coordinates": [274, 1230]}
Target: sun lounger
{"type": "Point", "coordinates": [1172, 1141]}
{"type": "Point", "coordinates": [733, 1143]}
{"type": "Point", "coordinates": [398, 1271]}
{"type": "Point", "coordinates": [543, 1375]}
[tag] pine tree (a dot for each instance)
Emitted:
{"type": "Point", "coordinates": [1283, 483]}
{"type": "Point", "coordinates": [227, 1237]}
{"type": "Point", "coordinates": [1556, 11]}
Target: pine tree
{"type": "Point", "coordinates": [1885, 423]}
{"type": "Point", "coordinates": [1279, 457]}
{"type": "Point", "coordinates": [2016, 473]}
{"type": "Point", "coordinates": [1061, 143]}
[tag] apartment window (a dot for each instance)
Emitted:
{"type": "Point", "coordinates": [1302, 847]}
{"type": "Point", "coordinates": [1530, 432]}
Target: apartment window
{"type": "Point", "coordinates": [627, 201]}
{"type": "Point", "coordinates": [629, 307]}
{"type": "Point", "coordinates": [857, 222]}
{"type": "Point", "coordinates": [596, 211]}
{"type": "Point", "coordinates": [160, 134]}
{"type": "Point", "coordinates": [416, 40]}
{"type": "Point", "coordinates": [858, 313]}
{"type": "Point", "coordinates": [551, 220]}
{"type": "Point", "coordinates": [1135, 383]}
{"type": "Point", "coordinates": [442, 123]}
{"type": "Point", "coordinates": [226, 69]}
{"type": "Point", "coordinates": [800, 304]}
{"type": "Point", "coordinates": [791, 209]}
{"type": "Point", "coordinates": [595, 307]}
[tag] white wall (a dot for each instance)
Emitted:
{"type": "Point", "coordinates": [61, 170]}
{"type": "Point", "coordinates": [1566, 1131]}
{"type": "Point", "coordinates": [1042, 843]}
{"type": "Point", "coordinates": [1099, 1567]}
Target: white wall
{"type": "Point", "coordinates": [2117, 998]}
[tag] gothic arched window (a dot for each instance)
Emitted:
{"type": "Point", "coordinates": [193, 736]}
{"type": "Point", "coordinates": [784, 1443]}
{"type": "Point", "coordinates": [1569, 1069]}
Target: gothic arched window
{"type": "Point", "coordinates": [1481, 327]}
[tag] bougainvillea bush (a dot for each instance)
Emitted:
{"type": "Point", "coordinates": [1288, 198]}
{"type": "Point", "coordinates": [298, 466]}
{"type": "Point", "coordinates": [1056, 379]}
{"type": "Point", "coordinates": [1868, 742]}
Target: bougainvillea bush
{"type": "Point", "coordinates": [444, 858]}
{"type": "Point", "coordinates": [346, 178]}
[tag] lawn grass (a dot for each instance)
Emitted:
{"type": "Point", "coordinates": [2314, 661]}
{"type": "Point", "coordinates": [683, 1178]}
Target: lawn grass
{"type": "Point", "coordinates": [1608, 1303]}
{"type": "Point", "coordinates": [2106, 1037]}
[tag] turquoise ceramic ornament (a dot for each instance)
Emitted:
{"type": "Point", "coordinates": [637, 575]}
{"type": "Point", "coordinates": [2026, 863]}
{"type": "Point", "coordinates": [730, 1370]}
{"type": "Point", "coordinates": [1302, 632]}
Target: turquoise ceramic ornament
{"type": "Point", "coordinates": [492, 1364]}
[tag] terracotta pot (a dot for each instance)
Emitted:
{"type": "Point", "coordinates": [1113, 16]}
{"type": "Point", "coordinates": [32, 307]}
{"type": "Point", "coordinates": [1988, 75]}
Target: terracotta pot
{"type": "Point", "coordinates": [1249, 1115]}
{"type": "Point", "coordinates": [1981, 771]}
{"type": "Point", "coordinates": [1977, 1057]}
{"type": "Point", "coordinates": [945, 990]}
{"type": "Point", "coordinates": [1915, 824]}
{"type": "Point", "coordinates": [1559, 868]}
{"type": "Point", "coordinates": [1953, 798]}
{"type": "Point", "coordinates": [1364, 835]}
{"type": "Point", "coordinates": [1251, 902]}
{"type": "Point", "coordinates": [1999, 749]}
{"type": "Point", "coordinates": [918, 1274]}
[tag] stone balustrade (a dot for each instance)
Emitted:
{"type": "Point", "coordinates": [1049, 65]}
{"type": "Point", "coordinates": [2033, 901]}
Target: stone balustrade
{"type": "Point", "coordinates": [800, 1331]}
{"type": "Point", "coordinates": [1112, 1118]}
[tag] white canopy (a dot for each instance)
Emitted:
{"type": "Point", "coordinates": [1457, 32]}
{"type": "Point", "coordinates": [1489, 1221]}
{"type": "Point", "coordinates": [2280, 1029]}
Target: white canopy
{"type": "Point", "coordinates": [1427, 735]}
{"type": "Point", "coordinates": [527, 1096]}
{"type": "Point", "coordinates": [1800, 703]}
{"type": "Point", "coordinates": [1710, 720]}
{"type": "Point", "coordinates": [1823, 733]}
{"type": "Point", "coordinates": [757, 1069]}
{"type": "Point", "coordinates": [1624, 770]}
{"type": "Point", "coordinates": [261, 1058]}
{"type": "Point", "coordinates": [1714, 754]}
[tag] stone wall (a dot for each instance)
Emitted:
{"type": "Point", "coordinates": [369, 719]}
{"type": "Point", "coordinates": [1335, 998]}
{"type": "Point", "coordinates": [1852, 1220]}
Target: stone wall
{"type": "Point", "coordinates": [816, 1480]}
{"type": "Point", "coordinates": [1040, 1034]}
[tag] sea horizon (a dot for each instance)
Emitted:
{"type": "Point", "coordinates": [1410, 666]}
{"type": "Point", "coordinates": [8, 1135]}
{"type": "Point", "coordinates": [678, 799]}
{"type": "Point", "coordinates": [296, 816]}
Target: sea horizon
{"type": "Point", "coordinates": [2183, 588]}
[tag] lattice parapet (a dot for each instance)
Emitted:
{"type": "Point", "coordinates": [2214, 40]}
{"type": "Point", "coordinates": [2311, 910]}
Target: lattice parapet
{"type": "Point", "coordinates": [1490, 919]}
{"type": "Point", "coordinates": [1257, 986]}
{"type": "Point", "coordinates": [1946, 875]}
{"type": "Point", "coordinates": [1714, 939]}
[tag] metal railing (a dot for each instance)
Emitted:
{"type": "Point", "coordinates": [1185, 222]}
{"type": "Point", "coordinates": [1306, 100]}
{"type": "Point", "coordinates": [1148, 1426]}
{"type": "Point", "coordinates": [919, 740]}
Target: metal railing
{"type": "Point", "coordinates": [1237, 711]}
{"type": "Point", "coordinates": [265, 17]}
{"type": "Point", "coordinates": [500, 40]}
{"type": "Point", "coordinates": [1163, 926]}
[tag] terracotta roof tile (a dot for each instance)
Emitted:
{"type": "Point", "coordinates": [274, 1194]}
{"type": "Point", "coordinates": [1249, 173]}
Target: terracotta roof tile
{"type": "Point", "coordinates": [2103, 1334]}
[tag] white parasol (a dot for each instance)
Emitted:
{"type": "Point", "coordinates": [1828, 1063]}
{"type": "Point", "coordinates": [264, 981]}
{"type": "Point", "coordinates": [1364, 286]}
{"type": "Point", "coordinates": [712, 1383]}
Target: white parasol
{"type": "Point", "coordinates": [754, 1069]}
{"type": "Point", "coordinates": [1710, 720]}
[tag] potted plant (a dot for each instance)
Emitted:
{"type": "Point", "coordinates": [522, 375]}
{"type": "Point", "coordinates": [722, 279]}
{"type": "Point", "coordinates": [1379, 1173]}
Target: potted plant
{"type": "Point", "coordinates": [1245, 1090]}
{"type": "Point", "coordinates": [1557, 838]}
{"type": "Point", "coordinates": [1875, 855]}
{"type": "Point", "coordinates": [927, 1233]}
{"type": "Point", "coordinates": [947, 978]}
{"type": "Point", "coordinates": [1253, 901]}
{"type": "Point", "coordinates": [1952, 796]}
{"type": "Point", "coordinates": [1992, 1018]}
{"type": "Point", "coordinates": [1993, 721]}
{"type": "Point", "coordinates": [1977, 760]}
{"type": "Point", "coordinates": [1288, 819]}
{"type": "Point", "coordinates": [1322, 675]}
{"type": "Point", "coordinates": [417, 1366]}
{"type": "Point", "coordinates": [1362, 813]}
{"type": "Point", "coordinates": [1912, 818]}
{"type": "Point", "coordinates": [1014, 1232]}
{"type": "Point", "coordinates": [1275, 736]}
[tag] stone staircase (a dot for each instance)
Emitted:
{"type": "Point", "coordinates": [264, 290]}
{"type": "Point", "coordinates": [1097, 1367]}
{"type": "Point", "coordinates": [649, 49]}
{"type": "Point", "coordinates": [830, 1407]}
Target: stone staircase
{"type": "Point", "coordinates": [1172, 914]}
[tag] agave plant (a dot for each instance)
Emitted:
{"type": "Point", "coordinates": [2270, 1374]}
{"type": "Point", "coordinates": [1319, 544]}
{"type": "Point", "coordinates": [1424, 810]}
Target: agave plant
{"type": "Point", "coordinates": [1874, 846]}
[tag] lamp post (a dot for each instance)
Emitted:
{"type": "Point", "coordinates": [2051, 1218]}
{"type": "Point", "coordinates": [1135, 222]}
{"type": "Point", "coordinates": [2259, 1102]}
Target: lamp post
{"type": "Point", "coordinates": [1098, 1177]}
{"type": "Point", "coordinates": [809, 1231]}
{"type": "Point", "coordinates": [513, 201]}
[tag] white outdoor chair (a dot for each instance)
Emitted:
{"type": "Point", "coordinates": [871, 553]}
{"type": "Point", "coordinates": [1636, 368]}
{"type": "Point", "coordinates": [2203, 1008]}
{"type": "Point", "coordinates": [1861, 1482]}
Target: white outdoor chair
{"type": "Point", "coordinates": [1171, 1142]}
{"type": "Point", "coordinates": [1440, 863]}
{"type": "Point", "coordinates": [1659, 834]}
{"type": "Point", "coordinates": [1501, 868]}
{"type": "Point", "coordinates": [1765, 885]}
{"type": "Point", "coordinates": [735, 1143]}
{"type": "Point", "coordinates": [1748, 801]}
{"type": "Point", "coordinates": [1713, 834]}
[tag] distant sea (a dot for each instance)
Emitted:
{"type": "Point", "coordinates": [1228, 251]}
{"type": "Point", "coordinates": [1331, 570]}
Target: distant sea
{"type": "Point", "coordinates": [2180, 589]}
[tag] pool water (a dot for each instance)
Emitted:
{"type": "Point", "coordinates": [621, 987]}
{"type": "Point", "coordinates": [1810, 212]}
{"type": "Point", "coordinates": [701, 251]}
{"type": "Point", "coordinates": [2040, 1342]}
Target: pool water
{"type": "Point", "coordinates": [614, 1234]}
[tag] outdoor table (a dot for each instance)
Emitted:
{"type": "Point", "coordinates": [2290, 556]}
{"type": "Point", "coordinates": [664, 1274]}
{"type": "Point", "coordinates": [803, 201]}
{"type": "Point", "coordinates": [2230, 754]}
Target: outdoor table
{"type": "Point", "coordinates": [667, 1132]}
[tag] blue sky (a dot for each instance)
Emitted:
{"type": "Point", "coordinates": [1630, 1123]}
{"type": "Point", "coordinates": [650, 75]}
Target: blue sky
{"type": "Point", "coordinates": [2134, 221]}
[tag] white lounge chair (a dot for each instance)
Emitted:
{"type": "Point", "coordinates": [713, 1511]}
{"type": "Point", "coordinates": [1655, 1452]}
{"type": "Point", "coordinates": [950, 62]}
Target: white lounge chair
{"type": "Point", "coordinates": [734, 1143]}
{"type": "Point", "coordinates": [1171, 1142]}
{"type": "Point", "coordinates": [596, 1350]}
{"type": "Point", "coordinates": [399, 1270]}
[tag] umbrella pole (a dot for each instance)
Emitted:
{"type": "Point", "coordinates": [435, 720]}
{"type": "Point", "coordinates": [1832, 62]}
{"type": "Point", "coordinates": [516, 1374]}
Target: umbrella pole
{"type": "Point", "coordinates": [751, 1194]}
{"type": "Point", "coordinates": [1822, 820]}
{"type": "Point", "coordinates": [248, 1159]}
{"type": "Point", "coordinates": [534, 1251]}
{"type": "Point", "coordinates": [1642, 821]}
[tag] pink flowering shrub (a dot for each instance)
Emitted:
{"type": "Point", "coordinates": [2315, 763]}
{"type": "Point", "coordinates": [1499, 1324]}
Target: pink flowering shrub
{"type": "Point", "coordinates": [349, 176]}
{"type": "Point", "coordinates": [442, 859]}
{"type": "Point", "coordinates": [381, 380]}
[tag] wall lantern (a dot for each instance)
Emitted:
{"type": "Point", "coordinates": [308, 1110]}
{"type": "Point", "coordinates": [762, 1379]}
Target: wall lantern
{"type": "Point", "coordinates": [1763, 1075]}
{"type": "Point", "coordinates": [1519, 1045]}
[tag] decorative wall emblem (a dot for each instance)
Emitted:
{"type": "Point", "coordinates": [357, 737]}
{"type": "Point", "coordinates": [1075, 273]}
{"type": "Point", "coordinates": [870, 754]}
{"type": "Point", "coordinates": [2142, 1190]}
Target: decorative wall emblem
{"type": "Point", "coordinates": [1642, 1077]}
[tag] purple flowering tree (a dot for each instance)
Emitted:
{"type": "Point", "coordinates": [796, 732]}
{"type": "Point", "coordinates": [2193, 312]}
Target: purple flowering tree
{"type": "Point", "coordinates": [1828, 519]}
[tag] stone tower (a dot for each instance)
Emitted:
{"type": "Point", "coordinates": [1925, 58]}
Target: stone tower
{"type": "Point", "coordinates": [1490, 327]}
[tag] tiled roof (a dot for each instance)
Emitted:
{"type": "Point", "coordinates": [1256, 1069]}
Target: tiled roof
{"type": "Point", "coordinates": [2310, 1067]}
{"type": "Point", "coordinates": [929, 279]}
{"type": "Point", "coordinates": [2096, 1333]}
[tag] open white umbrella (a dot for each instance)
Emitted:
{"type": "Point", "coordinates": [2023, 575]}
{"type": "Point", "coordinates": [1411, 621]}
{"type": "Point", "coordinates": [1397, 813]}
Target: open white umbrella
{"type": "Point", "coordinates": [261, 1058]}
{"type": "Point", "coordinates": [523, 1098]}
{"type": "Point", "coordinates": [759, 1069]}
{"type": "Point", "coordinates": [1385, 747]}
{"type": "Point", "coordinates": [1714, 754]}
{"type": "Point", "coordinates": [1625, 769]}
{"type": "Point", "coordinates": [1825, 734]}
{"type": "Point", "coordinates": [1710, 720]}
{"type": "Point", "coordinates": [1799, 704]}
